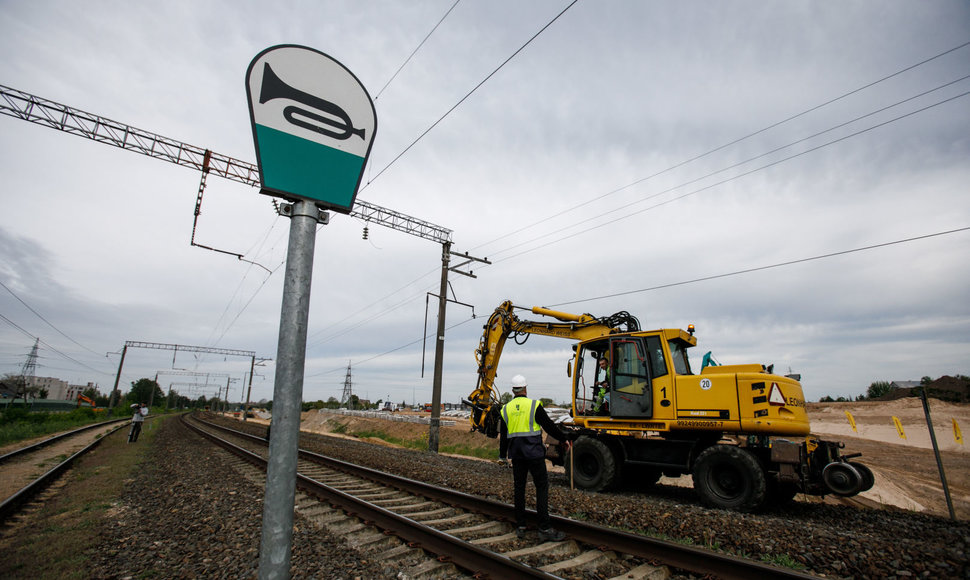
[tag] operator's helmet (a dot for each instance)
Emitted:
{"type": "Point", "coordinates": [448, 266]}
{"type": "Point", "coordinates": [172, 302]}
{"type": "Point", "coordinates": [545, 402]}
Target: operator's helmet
{"type": "Point", "coordinates": [518, 383]}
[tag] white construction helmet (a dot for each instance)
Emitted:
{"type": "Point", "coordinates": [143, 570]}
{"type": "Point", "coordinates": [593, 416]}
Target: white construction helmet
{"type": "Point", "coordinates": [519, 382]}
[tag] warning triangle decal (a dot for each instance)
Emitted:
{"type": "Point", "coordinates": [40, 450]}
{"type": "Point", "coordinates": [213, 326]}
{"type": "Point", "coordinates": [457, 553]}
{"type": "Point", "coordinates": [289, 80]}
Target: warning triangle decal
{"type": "Point", "coordinates": [775, 397]}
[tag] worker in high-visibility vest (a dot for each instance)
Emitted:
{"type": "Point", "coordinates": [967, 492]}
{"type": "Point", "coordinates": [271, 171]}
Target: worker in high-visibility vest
{"type": "Point", "coordinates": [520, 439]}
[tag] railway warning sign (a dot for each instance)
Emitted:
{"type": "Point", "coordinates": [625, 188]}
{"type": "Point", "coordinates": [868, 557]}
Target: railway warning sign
{"type": "Point", "coordinates": [313, 125]}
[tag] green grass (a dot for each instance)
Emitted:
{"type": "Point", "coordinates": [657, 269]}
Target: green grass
{"type": "Point", "coordinates": [60, 546]}
{"type": "Point", "coordinates": [783, 560]}
{"type": "Point", "coordinates": [17, 424]}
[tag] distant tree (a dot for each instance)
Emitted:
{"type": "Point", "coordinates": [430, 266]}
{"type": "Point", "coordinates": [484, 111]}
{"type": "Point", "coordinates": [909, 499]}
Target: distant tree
{"type": "Point", "coordinates": [842, 400]}
{"type": "Point", "coordinates": [505, 398]}
{"type": "Point", "coordinates": [926, 380]}
{"type": "Point", "coordinates": [145, 391]}
{"type": "Point", "coordinates": [826, 399]}
{"type": "Point", "coordinates": [878, 389]}
{"type": "Point", "coordinates": [546, 402]}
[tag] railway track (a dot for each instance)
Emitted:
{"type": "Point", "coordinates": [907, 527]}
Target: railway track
{"type": "Point", "coordinates": [431, 531]}
{"type": "Point", "coordinates": [31, 469]}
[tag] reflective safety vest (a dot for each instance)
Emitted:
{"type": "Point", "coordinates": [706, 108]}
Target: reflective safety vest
{"type": "Point", "coordinates": [519, 415]}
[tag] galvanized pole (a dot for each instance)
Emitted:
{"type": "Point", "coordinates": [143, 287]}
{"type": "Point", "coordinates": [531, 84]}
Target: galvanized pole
{"type": "Point", "coordinates": [936, 450]}
{"type": "Point", "coordinates": [439, 351]}
{"type": "Point", "coordinates": [277, 532]}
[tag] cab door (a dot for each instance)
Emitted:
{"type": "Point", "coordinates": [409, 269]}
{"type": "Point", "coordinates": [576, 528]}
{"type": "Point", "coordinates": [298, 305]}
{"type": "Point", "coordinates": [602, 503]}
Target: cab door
{"type": "Point", "coordinates": [631, 394]}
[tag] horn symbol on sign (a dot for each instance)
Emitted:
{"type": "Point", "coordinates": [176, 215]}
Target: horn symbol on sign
{"type": "Point", "coordinates": [274, 88]}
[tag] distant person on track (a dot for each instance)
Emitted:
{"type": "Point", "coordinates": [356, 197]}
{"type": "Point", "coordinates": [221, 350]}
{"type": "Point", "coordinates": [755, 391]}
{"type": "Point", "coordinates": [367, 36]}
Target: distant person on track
{"type": "Point", "coordinates": [521, 441]}
{"type": "Point", "coordinates": [140, 411]}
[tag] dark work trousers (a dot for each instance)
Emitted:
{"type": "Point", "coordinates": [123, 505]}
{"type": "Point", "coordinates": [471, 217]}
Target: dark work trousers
{"type": "Point", "coordinates": [520, 470]}
{"type": "Point", "coordinates": [135, 430]}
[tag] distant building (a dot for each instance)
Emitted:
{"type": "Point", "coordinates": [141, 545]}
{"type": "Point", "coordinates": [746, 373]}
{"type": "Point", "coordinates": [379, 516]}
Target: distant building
{"type": "Point", "coordinates": [58, 389]}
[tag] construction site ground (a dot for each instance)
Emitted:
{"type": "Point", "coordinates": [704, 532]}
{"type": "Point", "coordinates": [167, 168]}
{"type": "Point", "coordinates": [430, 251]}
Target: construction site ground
{"type": "Point", "coordinates": [905, 470]}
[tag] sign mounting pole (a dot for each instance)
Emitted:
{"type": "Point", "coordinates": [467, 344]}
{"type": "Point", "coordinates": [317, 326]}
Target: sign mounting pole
{"type": "Point", "coordinates": [313, 126]}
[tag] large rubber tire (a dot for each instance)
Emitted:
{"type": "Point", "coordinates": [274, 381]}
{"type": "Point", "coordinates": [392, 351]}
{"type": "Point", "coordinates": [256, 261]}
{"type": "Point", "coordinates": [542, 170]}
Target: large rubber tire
{"type": "Point", "coordinates": [728, 477]}
{"type": "Point", "coordinates": [592, 466]}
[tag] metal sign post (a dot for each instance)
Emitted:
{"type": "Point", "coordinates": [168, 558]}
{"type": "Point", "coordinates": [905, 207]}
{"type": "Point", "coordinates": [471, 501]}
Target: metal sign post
{"type": "Point", "coordinates": [280, 495]}
{"type": "Point", "coordinates": [313, 126]}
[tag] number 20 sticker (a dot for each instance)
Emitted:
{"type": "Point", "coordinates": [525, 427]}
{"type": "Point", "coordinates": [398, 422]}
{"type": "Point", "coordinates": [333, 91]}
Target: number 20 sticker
{"type": "Point", "coordinates": [706, 384]}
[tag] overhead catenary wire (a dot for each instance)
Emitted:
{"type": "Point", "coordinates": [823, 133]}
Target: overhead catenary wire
{"type": "Point", "coordinates": [416, 49]}
{"type": "Point", "coordinates": [695, 158]}
{"type": "Point", "coordinates": [710, 186]}
{"type": "Point", "coordinates": [462, 100]}
{"type": "Point", "coordinates": [51, 348]}
{"type": "Point", "coordinates": [706, 187]}
{"type": "Point", "coordinates": [726, 145]}
{"type": "Point", "coordinates": [762, 268]}
{"type": "Point", "coordinates": [391, 351]}
{"type": "Point", "coordinates": [48, 322]}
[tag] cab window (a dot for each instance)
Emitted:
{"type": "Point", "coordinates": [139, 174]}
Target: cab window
{"type": "Point", "coordinates": [658, 366]}
{"type": "Point", "coordinates": [629, 365]}
{"type": "Point", "coordinates": [678, 357]}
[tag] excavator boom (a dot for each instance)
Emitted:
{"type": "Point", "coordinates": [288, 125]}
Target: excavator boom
{"type": "Point", "coordinates": [502, 324]}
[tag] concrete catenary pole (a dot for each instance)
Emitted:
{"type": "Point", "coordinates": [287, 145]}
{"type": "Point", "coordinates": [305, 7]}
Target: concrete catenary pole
{"type": "Point", "coordinates": [439, 351]}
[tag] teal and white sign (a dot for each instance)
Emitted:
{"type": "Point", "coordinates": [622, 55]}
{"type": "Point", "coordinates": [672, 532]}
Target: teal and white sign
{"type": "Point", "coordinates": [313, 125]}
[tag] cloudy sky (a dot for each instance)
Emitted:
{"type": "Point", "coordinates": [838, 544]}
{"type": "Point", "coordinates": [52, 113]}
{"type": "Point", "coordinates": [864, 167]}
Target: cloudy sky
{"type": "Point", "coordinates": [790, 177]}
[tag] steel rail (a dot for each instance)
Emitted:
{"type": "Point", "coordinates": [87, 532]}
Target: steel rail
{"type": "Point", "coordinates": [12, 504]}
{"type": "Point", "coordinates": [683, 557]}
{"type": "Point", "coordinates": [31, 448]}
{"type": "Point", "coordinates": [486, 563]}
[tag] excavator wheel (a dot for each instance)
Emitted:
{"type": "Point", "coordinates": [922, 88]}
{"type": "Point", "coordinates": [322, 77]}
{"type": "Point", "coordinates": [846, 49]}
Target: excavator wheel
{"type": "Point", "coordinates": [592, 465]}
{"type": "Point", "coordinates": [726, 476]}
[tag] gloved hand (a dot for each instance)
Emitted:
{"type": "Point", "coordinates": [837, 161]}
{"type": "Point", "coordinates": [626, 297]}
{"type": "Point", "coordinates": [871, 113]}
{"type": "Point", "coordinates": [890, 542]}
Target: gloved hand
{"type": "Point", "coordinates": [504, 462]}
{"type": "Point", "coordinates": [571, 434]}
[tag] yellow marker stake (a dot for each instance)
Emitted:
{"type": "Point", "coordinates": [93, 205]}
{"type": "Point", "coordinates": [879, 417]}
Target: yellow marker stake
{"type": "Point", "coordinates": [899, 427]}
{"type": "Point", "coordinates": [851, 421]}
{"type": "Point", "coordinates": [957, 436]}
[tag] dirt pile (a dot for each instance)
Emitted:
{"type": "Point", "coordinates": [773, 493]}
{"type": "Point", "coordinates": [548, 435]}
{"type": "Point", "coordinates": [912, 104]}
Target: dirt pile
{"type": "Point", "coordinates": [906, 471]}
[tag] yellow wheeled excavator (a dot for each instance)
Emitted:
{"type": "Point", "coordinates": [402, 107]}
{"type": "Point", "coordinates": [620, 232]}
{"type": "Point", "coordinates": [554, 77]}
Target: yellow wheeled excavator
{"type": "Point", "coordinates": [740, 431]}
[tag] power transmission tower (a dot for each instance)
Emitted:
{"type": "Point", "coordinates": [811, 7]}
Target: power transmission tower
{"type": "Point", "coordinates": [348, 388]}
{"type": "Point", "coordinates": [29, 369]}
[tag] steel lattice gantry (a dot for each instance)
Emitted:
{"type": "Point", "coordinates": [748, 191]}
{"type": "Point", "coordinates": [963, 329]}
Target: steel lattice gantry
{"type": "Point", "coordinates": [41, 111]}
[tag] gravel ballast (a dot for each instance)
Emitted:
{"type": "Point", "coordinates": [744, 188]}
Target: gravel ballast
{"type": "Point", "coordinates": [188, 514]}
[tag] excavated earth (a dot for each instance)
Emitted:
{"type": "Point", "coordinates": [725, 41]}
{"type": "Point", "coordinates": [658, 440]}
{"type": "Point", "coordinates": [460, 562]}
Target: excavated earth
{"type": "Point", "coordinates": [188, 514]}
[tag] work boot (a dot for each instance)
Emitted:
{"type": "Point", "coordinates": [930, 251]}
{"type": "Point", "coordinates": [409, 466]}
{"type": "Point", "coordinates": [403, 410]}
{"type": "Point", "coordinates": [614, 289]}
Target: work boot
{"type": "Point", "coordinates": [551, 535]}
{"type": "Point", "coordinates": [520, 532]}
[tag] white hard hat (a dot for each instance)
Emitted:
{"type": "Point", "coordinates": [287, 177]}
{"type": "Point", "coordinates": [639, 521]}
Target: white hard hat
{"type": "Point", "coordinates": [519, 382]}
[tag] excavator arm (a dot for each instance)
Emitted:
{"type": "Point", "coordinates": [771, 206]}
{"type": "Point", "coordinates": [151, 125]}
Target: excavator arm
{"type": "Point", "coordinates": [503, 323]}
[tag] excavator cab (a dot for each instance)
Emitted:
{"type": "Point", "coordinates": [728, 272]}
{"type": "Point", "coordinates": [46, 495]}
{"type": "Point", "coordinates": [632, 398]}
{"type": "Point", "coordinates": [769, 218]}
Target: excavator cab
{"type": "Point", "coordinates": [613, 378]}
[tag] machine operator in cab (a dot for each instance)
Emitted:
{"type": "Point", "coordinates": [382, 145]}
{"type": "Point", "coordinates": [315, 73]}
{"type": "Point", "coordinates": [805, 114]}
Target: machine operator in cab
{"type": "Point", "coordinates": [520, 439]}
